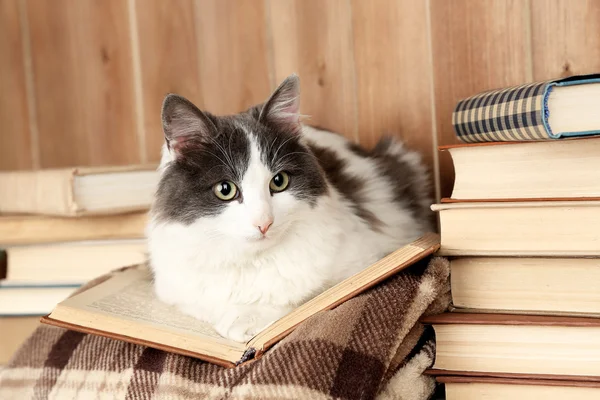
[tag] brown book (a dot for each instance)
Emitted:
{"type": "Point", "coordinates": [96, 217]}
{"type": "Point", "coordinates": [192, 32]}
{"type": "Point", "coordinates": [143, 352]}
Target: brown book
{"type": "Point", "coordinates": [125, 307]}
{"type": "Point", "coordinates": [536, 228]}
{"type": "Point", "coordinates": [34, 229]}
{"type": "Point", "coordinates": [15, 330]}
{"type": "Point", "coordinates": [78, 191]}
{"type": "Point", "coordinates": [69, 263]}
{"type": "Point", "coordinates": [526, 285]}
{"type": "Point", "coordinates": [548, 346]}
{"type": "Point", "coordinates": [526, 170]}
{"type": "Point", "coordinates": [494, 388]}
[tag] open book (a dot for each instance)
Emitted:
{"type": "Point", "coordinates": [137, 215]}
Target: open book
{"type": "Point", "coordinates": [125, 307]}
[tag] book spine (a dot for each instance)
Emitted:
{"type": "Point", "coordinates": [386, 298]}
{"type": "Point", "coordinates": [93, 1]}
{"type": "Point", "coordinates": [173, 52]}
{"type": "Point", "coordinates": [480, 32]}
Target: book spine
{"type": "Point", "coordinates": [503, 115]}
{"type": "Point", "coordinates": [48, 192]}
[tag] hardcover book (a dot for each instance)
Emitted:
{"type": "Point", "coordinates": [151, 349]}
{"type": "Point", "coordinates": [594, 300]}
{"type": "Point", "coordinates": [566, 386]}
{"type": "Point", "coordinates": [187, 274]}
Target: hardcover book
{"type": "Point", "coordinates": [78, 191]}
{"type": "Point", "coordinates": [125, 307]}
{"type": "Point", "coordinates": [523, 387]}
{"type": "Point", "coordinates": [533, 228]}
{"type": "Point", "coordinates": [550, 347]}
{"type": "Point", "coordinates": [535, 111]}
{"type": "Point", "coordinates": [37, 229]}
{"type": "Point", "coordinates": [526, 170]}
{"type": "Point", "coordinates": [526, 285]}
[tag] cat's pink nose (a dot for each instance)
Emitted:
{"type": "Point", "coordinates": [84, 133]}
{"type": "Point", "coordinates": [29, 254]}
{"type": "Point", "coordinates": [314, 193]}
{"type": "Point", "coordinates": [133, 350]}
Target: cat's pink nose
{"type": "Point", "coordinates": [264, 227]}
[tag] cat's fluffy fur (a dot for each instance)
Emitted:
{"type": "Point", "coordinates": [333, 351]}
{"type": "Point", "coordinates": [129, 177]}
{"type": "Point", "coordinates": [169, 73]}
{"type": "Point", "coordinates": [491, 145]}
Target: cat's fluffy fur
{"type": "Point", "coordinates": [344, 209]}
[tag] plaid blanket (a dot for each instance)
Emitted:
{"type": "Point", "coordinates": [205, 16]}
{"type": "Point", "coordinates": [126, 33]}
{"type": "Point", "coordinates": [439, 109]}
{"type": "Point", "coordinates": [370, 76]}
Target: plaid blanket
{"type": "Point", "coordinates": [372, 346]}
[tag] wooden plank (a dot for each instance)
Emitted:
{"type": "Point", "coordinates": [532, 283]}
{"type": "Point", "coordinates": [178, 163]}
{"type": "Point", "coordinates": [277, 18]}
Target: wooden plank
{"type": "Point", "coordinates": [233, 54]}
{"type": "Point", "coordinates": [168, 61]}
{"type": "Point", "coordinates": [393, 69]}
{"type": "Point", "coordinates": [314, 39]}
{"type": "Point", "coordinates": [565, 37]}
{"type": "Point", "coordinates": [15, 140]}
{"type": "Point", "coordinates": [82, 66]}
{"type": "Point", "coordinates": [477, 45]}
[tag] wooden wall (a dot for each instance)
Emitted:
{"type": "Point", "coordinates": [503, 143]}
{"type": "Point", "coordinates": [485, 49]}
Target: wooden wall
{"type": "Point", "coordinates": [81, 81]}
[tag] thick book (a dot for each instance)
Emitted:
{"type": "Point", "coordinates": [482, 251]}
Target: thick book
{"type": "Point", "coordinates": [526, 285]}
{"type": "Point", "coordinates": [526, 170]}
{"type": "Point", "coordinates": [549, 346]}
{"type": "Point", "coordinates": [78, 191]}
{"type": "Point", "coordinates": [534, 228]}
{"type": "Point", "coordinates": [37, 229]}
{"type": "Point", "coordinates": [535, 111]}
{"type": "Point", "coordinates": [15, 330]}
{"type": "Point", "coordinates": [526, 387]}
{"type": "Point", "coordinates": [69, 263]}
{"type": "Point", "coordinates": [125, 307]}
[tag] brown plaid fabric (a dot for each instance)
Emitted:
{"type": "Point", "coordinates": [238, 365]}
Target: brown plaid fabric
{"type": "Point", "coordinates": [370, 346]}
{"type": "Point", "coordinates": [511, 114]}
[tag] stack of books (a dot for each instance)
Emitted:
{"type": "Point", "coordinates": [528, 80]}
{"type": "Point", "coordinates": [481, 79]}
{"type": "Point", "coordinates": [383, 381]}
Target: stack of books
{"type": "Point", "coordinates": [61, 228]}
{"type": "Point", "coordinates": [522, 230]}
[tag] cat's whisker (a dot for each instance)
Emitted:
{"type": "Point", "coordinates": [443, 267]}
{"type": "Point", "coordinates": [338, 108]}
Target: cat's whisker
{"type": "Point", "coordinates": [281, 145]}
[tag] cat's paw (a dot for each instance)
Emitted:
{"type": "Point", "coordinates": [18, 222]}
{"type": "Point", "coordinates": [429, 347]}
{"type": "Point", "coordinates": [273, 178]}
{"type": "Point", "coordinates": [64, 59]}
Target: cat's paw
{"type": "Point", "coordinates": [242, 323]}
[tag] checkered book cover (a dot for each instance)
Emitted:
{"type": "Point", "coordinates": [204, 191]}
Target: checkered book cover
{"type": "Point", "coordinates": [517, 113]}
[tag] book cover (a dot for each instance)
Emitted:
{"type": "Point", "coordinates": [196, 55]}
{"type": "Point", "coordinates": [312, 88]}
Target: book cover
{"type": "Point", "coordinates": [517, 113]}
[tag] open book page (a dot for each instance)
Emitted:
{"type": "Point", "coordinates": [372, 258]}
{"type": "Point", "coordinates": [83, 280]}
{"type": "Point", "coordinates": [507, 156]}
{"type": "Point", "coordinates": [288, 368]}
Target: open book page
{"type": "Point", "coordinates": [367, 278]}
{"type": "Point", "coordinates": [129, 297]}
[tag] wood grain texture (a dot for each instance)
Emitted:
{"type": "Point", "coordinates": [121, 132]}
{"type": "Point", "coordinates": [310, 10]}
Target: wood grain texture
{"type": "Point", "coordinates": [81, 57]}
{"type": "Point", "coordinates": [15, 140]}
{"type": "Point", "coordinates": [477, 45]}
{"type": "Point", "coordinates": [233, 54]}
{"type": "Point", "coordinates": [313, 38]}
{"type": "Point", "coordinates": [393, 69]}
{"type": "Point", "coordinates": [565, 37]}
{"type": "Point", "coordinates": [168, 61]}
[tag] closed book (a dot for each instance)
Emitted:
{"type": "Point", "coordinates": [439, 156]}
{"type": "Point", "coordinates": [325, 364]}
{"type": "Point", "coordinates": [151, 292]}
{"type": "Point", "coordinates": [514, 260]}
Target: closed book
{"type": "Point", "coordinates": [78, 191]}
{"type": "Point", "coordinates": [552, 347]}
{"type": "Point", "coordinates": [38, 229]}
{"type": "Point", "coordinates": [524, 387]}
{"type": "Point", "coordinates": [545, 110]}
{"type": "Point", "coordinates": [533, 228]}
{"type": "Point", "coordinates": [526, 170]}
{"type": "Point", "coordinates": [69, 263]}
{"type": "Point", "coordinates": [526, 285]}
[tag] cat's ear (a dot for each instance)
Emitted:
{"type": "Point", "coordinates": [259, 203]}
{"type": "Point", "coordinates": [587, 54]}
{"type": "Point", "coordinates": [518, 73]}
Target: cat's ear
{"type": "Point", "coordinates": [183, 123]}
{"type": "Point", "coordinates": [283, 107]}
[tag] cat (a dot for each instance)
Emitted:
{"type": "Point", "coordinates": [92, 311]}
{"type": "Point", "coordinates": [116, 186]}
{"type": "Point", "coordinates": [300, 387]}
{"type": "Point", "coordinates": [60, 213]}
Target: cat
{"type": "Point", "coordinates": [255, 213]}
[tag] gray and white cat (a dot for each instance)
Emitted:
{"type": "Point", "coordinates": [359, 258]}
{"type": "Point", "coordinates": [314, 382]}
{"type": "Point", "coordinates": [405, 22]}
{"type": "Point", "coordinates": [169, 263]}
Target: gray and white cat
{"type": "Point", "coordinates": [256, 213]}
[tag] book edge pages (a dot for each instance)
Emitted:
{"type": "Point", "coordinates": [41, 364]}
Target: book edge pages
{"type": "Point", "coordinates": [593, 202]}
{"type": "Point", "coordinates": [463, 145]}
{"type": "Point", "coordinates": [82, 171]}
{"type": "Point", "coordinates": [545, 377]}
{"type": "Point", "coordinates": [425, 246]}
{"type": "Point", "coordinates": [491, 319]}
{"type": "Point", "coordinates": [525, 380]}
{"type": "Point", "coordinates": [470, 310]}
{"type": "Point", "coordinates": [451, 200]}
{"type": "Point", "coordinates": [142, 342]}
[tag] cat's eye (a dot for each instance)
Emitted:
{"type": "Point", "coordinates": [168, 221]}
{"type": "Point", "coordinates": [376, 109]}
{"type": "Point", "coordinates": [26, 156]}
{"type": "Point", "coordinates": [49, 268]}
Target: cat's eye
{"type": "Point", "coordinates": [225, 190]}
{"type": "Point", "coordinates": [279, 182]}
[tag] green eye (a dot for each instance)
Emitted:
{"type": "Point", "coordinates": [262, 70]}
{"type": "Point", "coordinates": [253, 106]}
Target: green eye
{"type": "Point", "coordinates": [225, 190]}
{"type": "Point", "coordinates": [279, 182]}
